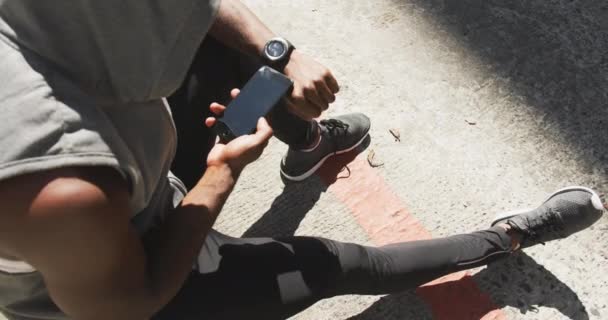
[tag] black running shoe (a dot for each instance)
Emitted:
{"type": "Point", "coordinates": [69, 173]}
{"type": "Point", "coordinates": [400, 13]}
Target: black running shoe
{"type": "Point", "coordinates": [564, 213]}
{"type": "Point", "coordinates": [339, 135]}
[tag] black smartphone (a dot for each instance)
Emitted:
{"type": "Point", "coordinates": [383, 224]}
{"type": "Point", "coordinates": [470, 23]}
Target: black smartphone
{"type": "Point", "coordinates": [257, 98]}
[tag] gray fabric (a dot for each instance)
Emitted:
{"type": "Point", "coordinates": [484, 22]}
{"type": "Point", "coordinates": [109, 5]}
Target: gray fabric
{"type": "Point", "coordinates": [47, 122]}
{"type": "Point", "coordinates": [130, 50]}
{"type": "Point", "coordinates": [83, 85]}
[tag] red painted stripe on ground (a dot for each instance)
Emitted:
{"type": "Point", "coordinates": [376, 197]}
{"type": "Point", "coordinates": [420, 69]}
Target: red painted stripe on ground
{"type": "Point", "coordinates": [383, 216]}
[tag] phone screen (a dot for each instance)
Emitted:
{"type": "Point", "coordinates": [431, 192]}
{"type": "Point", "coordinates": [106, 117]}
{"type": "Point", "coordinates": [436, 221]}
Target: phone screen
{"type": "Point", "coordinates": [261, 93]}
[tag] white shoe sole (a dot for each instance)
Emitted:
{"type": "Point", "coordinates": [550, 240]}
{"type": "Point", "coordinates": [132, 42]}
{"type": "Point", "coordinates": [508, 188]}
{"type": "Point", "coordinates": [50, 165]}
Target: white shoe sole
{"type": "Point", "coordinates": [316, 167]}
{"type": "Point", "coordinates": [595, 200]}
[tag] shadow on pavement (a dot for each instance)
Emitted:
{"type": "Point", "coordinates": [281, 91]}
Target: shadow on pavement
{"type": "Point", "coordinates": [554, 56]}
{"type": "Point", "coordinates": [551, 54]}
{"type": "Point", "coordinates": [517, 282]}
{"type": "Point", "coordinates": [298, 198]}
{"type": "Point", "coordinates": [288, 209]}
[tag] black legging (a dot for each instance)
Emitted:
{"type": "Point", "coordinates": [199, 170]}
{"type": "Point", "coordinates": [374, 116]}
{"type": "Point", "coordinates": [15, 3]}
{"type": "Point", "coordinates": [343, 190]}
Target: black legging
{"type": "Point", "coordinates": [263, 278]}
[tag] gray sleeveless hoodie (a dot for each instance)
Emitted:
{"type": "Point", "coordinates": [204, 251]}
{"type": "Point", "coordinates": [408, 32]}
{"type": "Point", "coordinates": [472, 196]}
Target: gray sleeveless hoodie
{"type": "Point", "coordinates": [82, 83]}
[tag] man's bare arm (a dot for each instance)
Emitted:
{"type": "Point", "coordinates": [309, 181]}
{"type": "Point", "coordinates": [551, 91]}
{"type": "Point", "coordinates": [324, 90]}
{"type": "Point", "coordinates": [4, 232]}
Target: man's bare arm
{"type": "Point", "coordinates": [73, 226]}
{"type": "Point", "coordinates": [238, 27]}
{"type": "Point", "coordinates": [314, 84]}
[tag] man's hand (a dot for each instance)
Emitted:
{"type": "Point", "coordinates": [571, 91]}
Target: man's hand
{"type": "Point", "coordinates": [241, 151]}
{"type": "Point", "coordinates": [314, 86]}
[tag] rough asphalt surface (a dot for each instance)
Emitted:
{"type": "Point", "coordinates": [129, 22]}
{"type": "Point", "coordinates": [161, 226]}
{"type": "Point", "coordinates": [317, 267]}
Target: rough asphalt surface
{"type": "Point", "coordinates": [497, 103]}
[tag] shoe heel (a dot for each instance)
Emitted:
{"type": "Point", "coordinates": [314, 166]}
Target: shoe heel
{"type": "Point", "coordinates": [597, 202]}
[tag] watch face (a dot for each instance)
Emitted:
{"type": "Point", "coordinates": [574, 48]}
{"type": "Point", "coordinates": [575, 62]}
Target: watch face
{"type": "Point", "coordinates": [276, 49]}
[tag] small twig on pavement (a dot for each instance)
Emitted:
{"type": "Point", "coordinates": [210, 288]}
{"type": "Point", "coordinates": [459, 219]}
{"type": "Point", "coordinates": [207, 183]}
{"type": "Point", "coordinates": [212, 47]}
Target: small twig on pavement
{"type": "Point", "coordinates": [395, 134]}
{"type": "Point", "coordinates": [371, 159]}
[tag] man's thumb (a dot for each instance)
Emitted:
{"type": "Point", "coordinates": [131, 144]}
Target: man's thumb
{"type": "Point", "coordinates": [264, 131]}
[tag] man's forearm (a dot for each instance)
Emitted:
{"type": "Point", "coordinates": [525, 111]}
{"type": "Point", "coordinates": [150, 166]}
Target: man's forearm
{"type": "Point", "coordinates": [237, 27]}
{"type": "Point", "coordinates": [184, 231]}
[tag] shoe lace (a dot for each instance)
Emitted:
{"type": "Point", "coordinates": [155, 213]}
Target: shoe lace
{"type": "Point", "coordinates": [548, 222]}
{"type": "Point", "coordinates": [333, 125]}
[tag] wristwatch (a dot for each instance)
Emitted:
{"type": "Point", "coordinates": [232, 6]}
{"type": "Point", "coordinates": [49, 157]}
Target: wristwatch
{"type": "Point", "coordinates": [277, 52]}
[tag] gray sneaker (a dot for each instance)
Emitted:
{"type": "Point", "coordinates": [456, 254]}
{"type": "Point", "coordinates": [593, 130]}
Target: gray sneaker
{"type": "Point", "coordinates": [339, 135]}
{"type": "Point", "coordinates": [564, 213]}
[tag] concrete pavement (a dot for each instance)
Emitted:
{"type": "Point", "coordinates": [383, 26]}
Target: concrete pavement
{"type": "Point", "coordinates": [497, 105]}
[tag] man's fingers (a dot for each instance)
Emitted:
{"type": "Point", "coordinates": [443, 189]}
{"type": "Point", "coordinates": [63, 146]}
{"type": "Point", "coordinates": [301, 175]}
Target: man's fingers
{"type": "Point", "coordinates": [210, 122]}
{"type": "Point", "coordinates": [331, 81]}
{"type": "Point", "coordinates": [261, 136]}
{"type": "Point", "coordinates": [264, 131]}
{"type": "Point", "coordinates": [325, 92]}
{"type": "Point", "coordinates": [217, 108]}
{"type": "Point", "coordinates": [312, 96]}
{"type": "Point", "coordinates": [234, 92]}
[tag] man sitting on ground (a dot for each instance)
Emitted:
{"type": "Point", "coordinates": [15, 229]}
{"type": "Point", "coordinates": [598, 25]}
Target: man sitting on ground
{"type": "Point", "coordinates": [94, 225]}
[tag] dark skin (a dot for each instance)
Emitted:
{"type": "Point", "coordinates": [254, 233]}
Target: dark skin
{"type": "Point", "coordinates": [70, 213]}
{"type": "Point", "coordinates": [315, 87]}
{"type": "Point", "coordinates": [79, 237]}
{"type": "Point", "coordinates": [73, 224]}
